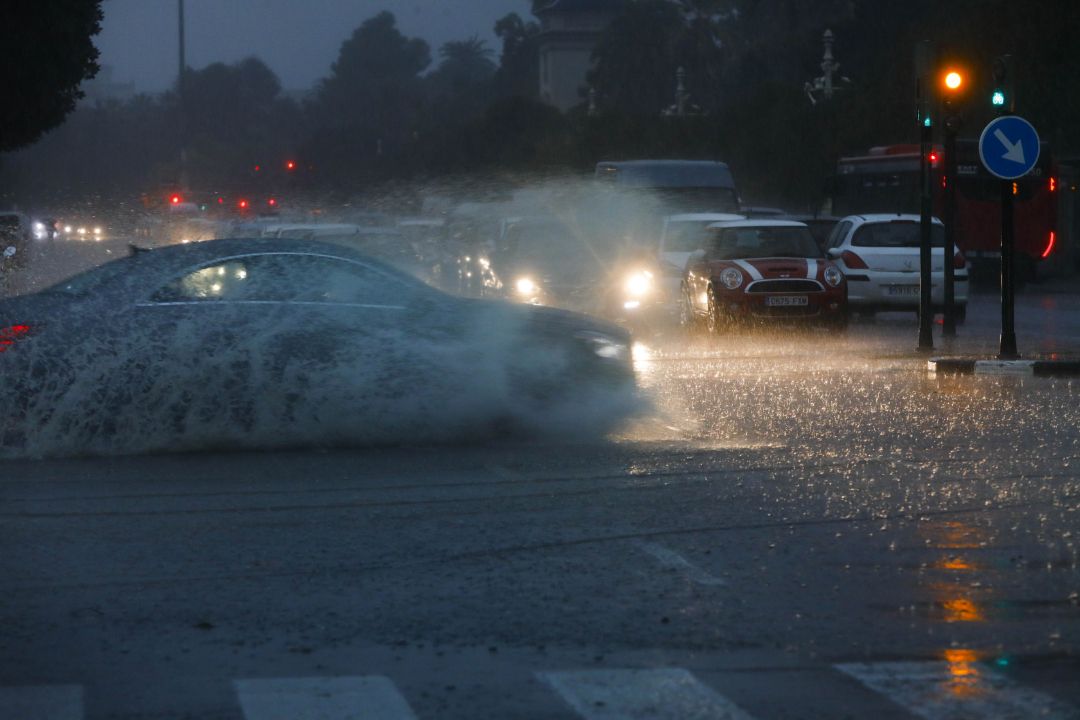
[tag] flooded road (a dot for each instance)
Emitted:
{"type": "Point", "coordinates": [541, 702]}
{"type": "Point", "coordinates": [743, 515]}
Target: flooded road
{"type": "Point", "coordinates": [803, 527]}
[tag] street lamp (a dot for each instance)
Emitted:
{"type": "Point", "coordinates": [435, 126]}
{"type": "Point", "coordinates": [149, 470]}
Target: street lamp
{"type": "Point", "coordinates": [825, 86]}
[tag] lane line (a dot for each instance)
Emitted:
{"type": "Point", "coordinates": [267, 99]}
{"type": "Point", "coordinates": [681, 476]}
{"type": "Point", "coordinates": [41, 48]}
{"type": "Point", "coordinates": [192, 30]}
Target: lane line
{"type": "Point", "coordinates": [42, 702]}
{"type": "Point", "coordinates": [671, 559]}
{"type": "Point", "coordinates": [371, 697]}
{"type": "Point", "coordinates": [957, 689]}
{"type": "Point", "coordinates": [655, 694]}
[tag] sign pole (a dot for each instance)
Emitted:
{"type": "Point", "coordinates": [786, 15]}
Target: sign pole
{"type": "Point", "coordinates": [1007, 348]}
{"type": "Point", "coordinates": [949, 325]}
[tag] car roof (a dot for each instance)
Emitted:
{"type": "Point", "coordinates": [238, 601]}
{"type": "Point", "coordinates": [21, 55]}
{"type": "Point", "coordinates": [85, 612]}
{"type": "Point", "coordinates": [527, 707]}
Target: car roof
{"type": "Point", "coordinates": [887, 217]}
{"type": "Point", "coordinates": [703, 217]}
{"type": "Point", "coordinates": [755, 223]}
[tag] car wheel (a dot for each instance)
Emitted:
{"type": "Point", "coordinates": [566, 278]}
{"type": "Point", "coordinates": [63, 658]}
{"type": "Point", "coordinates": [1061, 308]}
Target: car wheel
{"type": "Point", "coordinates": [687, 321]}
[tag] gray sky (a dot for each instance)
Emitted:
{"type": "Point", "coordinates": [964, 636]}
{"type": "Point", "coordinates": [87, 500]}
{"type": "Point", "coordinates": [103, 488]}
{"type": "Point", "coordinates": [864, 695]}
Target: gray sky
{"type": "Point", "coordinates": [298, 39]}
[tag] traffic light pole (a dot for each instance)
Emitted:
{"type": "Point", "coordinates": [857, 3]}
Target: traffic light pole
{"type": "Point", "coordinates": [1007, 349]}
{"type": "Point", "coordinates": [926, 309]}
{"type": "Point", "coordinates": [924, 59]}
{"type": "Point", "coordinates": [951, 122]}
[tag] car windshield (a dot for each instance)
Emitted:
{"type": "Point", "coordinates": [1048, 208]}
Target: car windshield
{"type": "Point", "coordinates": [762, 241]}
{"type": "Point", "coordinates": [686, 235]}
{"type": "Point", "coordinates": [895, 234]}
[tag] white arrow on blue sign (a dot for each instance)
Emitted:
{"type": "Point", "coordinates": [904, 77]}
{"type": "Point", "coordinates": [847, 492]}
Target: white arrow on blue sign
{"type": "Point", "coordinates": [1009, 147]}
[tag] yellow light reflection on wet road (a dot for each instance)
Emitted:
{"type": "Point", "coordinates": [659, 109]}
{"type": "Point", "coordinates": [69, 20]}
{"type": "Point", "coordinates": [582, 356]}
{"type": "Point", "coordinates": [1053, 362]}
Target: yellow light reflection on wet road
{"type": "Point", "coordinates": [965, 676]}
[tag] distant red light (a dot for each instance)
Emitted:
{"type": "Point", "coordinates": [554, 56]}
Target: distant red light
{"type": "Point", "coordinates": [175, 199]}
{"type": "Point", "coordinates": [271, 202]}
{"type": "Point", "coordinates": [933, 157]}
{"type": "Point", "coordinates": [258, 168]}
{"type": "Point", "coordinates": [1053, 184]}
{"type": "Point", "coordinates": [220, 201]}
{"type": "Point", "coordinates": [243, 204]}
{"type": "Point", "coordinates": [290, 165]}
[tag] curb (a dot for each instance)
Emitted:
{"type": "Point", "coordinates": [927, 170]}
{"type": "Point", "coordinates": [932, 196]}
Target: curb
{"type": "Point", "coordinates": [1026, 368]}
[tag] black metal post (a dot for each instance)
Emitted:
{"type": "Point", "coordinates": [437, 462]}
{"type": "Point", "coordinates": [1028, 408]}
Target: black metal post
{"type": "Point", "coordinates": [182, 93]}
{"type": "Point", "coordinates": [949, 251]}
{"type": "Point", "coordinates": [1007, 349]}
{"type": "Point", "coordinates": [926, 309]}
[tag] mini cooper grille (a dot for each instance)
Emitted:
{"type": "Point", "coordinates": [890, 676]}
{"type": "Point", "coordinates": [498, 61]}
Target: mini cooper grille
{"type": "Point", "coordinates": [783, 286]}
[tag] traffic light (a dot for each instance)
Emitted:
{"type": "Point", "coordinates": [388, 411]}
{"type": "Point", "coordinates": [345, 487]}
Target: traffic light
{"type": "Point", "coordinates": [290, 165]}
{"type": "Point", "coordinates": [953, 81]}
{"type": "Point", "coordinates": [1002, 98]}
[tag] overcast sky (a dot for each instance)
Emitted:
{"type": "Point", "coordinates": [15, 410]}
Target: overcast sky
{"type": "Point", "coordinates": [298, 39]}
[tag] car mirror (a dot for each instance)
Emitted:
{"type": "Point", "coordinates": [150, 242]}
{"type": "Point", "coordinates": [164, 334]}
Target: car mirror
{"type": "Point", "coordinates": [833, 253]}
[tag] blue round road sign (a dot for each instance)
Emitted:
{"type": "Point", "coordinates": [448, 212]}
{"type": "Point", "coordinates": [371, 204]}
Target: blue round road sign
{"type": "Point", "coordinates": [1009, 147]}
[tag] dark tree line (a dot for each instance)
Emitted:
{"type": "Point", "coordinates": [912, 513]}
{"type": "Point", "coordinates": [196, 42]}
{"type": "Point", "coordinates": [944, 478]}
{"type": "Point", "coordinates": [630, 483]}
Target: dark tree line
{"type": "Point", "coordinates": [391, 109]}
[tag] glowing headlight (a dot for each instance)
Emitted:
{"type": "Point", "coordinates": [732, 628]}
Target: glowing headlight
{"type": "Point", "coordinates": [731, 278]}
{"type": "Point", "coordinates": [82, 231]}
{"type": "Point", "coordinates": [97, 231]}
{"type": "Point", "coordinates": [525, 286]}
{"type": "Point", "coordinates": [833, 276]}
{"type": "Point", "coordinates": [604, 346]}
{"type": "Point", "coordinates": [67, 229]}
{"type": "Point", "coordinates": [639, 283]}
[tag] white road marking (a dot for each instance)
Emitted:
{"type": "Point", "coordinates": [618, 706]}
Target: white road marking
{"type": "Point", "coordinates": [956, 690]}
{"type": "Point", "coordinates": [42, 702]}
{"type": "Point", "coordinates": [657, 694]}
{"type": "Point", "coordinates": [671, 559]}
{"type": "Point", "coordinates": [371, 697]}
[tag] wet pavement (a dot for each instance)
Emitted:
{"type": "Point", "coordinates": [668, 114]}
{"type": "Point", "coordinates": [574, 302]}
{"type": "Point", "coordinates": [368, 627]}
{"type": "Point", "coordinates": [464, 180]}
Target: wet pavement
{"type": "Point", "coordinates": [803, 527]}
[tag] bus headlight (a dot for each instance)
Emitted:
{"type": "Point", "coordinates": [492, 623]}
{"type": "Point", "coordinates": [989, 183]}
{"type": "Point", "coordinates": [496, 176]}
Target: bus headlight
{"type": "Point", "coordinates": [833, 276]}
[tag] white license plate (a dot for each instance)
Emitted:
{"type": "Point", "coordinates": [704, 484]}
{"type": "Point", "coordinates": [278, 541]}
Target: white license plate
{"type": "Point", "coordinates": [902, 290]}
{"type": "Point", "coordinates": [786, 301]}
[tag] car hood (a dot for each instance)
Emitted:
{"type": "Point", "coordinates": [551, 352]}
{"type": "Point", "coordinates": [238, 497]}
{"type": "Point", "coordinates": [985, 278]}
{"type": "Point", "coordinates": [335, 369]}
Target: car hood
{"type": "Point", "coordinates": [774, 267]}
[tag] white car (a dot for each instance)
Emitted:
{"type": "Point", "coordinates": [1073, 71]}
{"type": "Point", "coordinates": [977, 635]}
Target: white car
{"type": "Point", "coordinates": [879, 256]}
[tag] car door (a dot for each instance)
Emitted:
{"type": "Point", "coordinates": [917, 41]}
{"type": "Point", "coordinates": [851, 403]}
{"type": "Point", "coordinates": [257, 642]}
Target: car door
{"type": "Point", "coordinates": [247, 336]}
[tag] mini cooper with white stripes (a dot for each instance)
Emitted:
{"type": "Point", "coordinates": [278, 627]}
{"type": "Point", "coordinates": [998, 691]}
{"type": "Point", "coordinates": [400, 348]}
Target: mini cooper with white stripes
{"type": "Point", "coordinates": [761, 270]}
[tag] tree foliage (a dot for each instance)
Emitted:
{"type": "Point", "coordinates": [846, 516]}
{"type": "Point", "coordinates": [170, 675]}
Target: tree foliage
{"type": "Point", "coordinates": [46, 51]}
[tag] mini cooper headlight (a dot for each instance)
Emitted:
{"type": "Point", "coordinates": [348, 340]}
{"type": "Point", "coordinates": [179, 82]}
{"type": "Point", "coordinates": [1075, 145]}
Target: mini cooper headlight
{"type": "Point", "coordinates": [833, 276]}
{"type": "Point", "coordinates": [731, 278]}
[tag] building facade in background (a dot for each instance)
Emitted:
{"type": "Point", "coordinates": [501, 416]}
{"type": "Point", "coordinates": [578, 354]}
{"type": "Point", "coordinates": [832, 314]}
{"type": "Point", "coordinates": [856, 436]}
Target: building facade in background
{"type": "Point", "coordinates": [569, 30]}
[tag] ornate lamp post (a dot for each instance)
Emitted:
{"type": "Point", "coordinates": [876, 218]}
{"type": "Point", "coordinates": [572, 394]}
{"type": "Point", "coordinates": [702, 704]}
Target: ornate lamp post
{"type": "Point", "coordinates": [830, 81]}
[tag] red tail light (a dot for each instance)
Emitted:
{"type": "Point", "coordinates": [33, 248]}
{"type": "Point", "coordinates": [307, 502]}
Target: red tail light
{"type": "Point", "coordinates": [959, 261]}
{"type": "Point", "coordinates": [1050, 245]}
{"type": "Point", "coordinates": [853, 261]}
{"type": "Point", "coordinates": [12, 333]}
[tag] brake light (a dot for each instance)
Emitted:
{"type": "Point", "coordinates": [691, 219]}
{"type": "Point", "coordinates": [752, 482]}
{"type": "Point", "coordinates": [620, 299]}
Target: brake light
{"type": "Point", "coordinates": [1050, 245]}
{"type": "Point", "coordinates": [959, 261]}
{"type": "Point", "coordinates": [10, 334]}
{"type": "Point", "coordinates": [853, 261]}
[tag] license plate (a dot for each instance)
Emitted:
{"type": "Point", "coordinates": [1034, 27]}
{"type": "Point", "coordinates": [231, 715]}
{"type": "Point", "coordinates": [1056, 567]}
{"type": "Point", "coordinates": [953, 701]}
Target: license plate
{"type": "Point", "coordinates": [786, 301]}
{"type": "Point", "coordinates": [902, 290]}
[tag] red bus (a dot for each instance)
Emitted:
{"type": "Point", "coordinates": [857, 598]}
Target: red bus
{"type": "Point", "coordinates": [886, 179]}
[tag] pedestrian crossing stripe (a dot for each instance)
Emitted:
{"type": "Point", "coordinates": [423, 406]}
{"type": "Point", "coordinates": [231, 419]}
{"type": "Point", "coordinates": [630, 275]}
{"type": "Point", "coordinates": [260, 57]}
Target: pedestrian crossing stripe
{"type": "Point", "coordinates": [41, 702]}
{"type": "Point", "coordinates": [654, 694]}
{"type": "Point", "coordinates": [371, 697]}
{"type": "Point", "coordinates": [956, 688]}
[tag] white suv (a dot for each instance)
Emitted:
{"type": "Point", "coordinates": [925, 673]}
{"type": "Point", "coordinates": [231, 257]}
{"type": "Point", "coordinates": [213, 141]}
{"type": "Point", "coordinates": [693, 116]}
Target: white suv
{"type": "Point", "coordinates": [879, 255]}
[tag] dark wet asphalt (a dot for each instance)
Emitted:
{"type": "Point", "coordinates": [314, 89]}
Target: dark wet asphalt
{"type": "Point", "coordinates": [795, 503]}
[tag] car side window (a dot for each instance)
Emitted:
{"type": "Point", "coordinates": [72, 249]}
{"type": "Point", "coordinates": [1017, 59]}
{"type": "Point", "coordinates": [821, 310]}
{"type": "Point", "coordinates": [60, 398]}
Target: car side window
{"type": "Point", "coordinates": [285, 278]}
{"type": "Point", "coordinates": [836, 239]}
